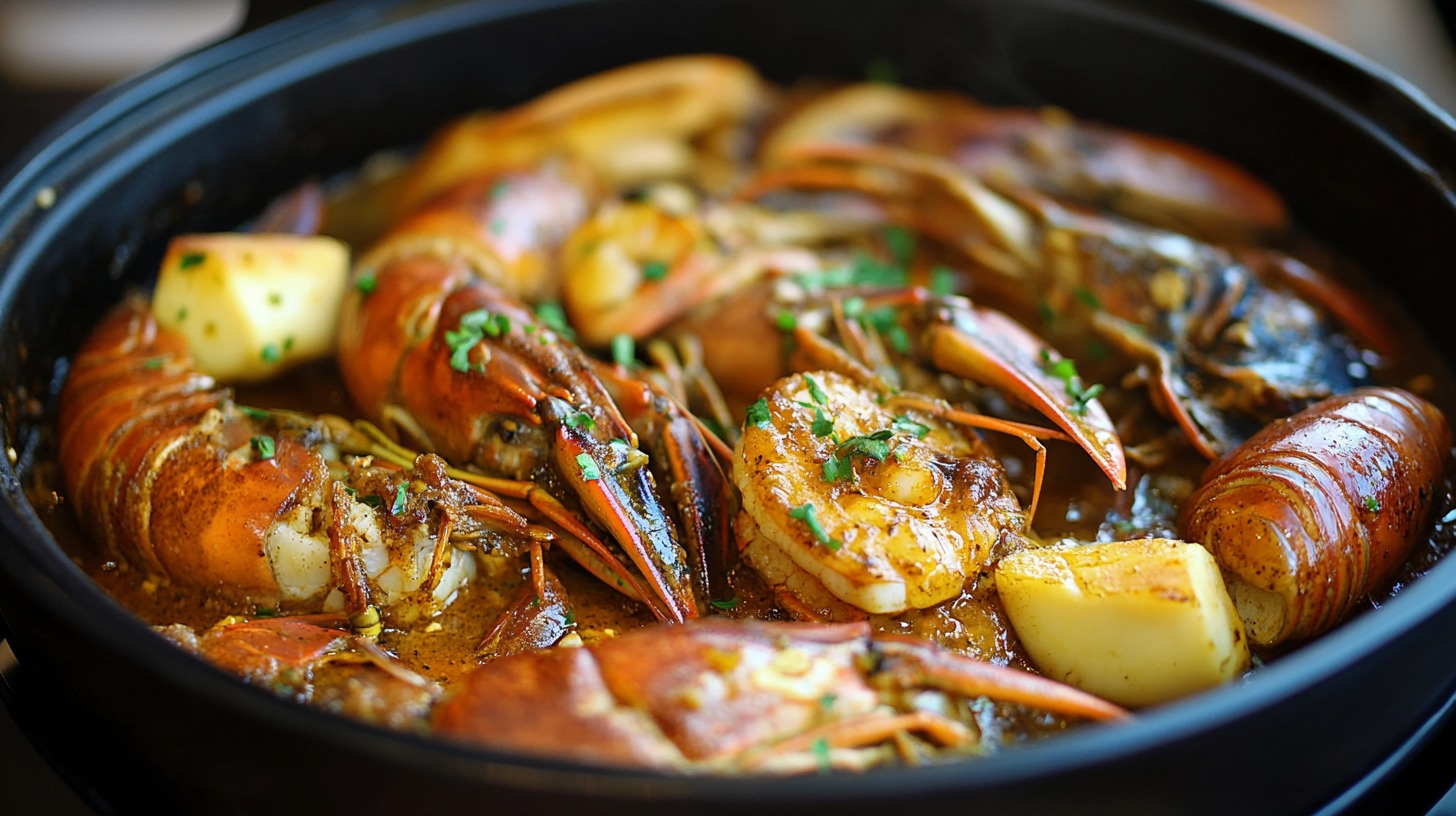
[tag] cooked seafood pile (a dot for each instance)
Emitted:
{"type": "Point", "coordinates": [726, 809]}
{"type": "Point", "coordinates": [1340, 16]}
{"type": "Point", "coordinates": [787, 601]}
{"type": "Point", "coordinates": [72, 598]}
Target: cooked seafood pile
{"type": "Point", "coordinates": [708, 426]}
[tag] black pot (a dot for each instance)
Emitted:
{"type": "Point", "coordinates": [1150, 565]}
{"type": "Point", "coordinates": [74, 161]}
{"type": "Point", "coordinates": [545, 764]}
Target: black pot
{"type": "Point", "coordinates": [204, 142]}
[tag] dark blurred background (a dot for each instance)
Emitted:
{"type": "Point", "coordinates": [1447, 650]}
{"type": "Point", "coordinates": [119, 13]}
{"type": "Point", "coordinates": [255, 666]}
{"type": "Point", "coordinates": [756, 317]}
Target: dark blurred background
{"type": "Point", "coordinates": [54, 54]}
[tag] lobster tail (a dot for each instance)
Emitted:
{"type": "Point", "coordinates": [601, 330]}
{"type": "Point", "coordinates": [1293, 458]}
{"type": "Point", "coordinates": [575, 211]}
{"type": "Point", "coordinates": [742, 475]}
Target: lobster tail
{"type": "Point", "coordinates": [1317, 511]}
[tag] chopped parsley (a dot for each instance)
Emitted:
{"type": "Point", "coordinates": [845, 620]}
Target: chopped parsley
{"type": "Point", "coordinates": [731, 603]}
{"type": "Point", "coordinates": [624, 350]}
{"type": "Point", "coordinates": [372, 500]}
{"type": "Point", "coordinates": [786, 320]}
{"type": "Point", "coordinates": [886, 321]}
{"type": "Point", "coordinates": [839, 467]}
{"type": "Point", "coordinates": [581, 420]}
{"type": "Point", "coordinates": [758, 415]}
{"type": "Point", "coordinates": [554, 317]}
{"type": "Point", "coordinates": [864, 270]}
{"type": "Point", "coordinates": [654, 270]}
{"type": "Point", "coordinates": [806, 513]}
{"type": "Point", "coordinates": [900, 242]}
{"type": "Point", "coordinates": [815, 392]}
{"type": "Point", "coordinates": [1372, 504]}
{"type": "Point", "coordinates": [570, 619]}
{"type": "Point", "coordinates": [270, 353]}
{"type": "Point", "coordinates": [821, 753]}
{"type": "Point", "coordinates": [1088, 298]}
{"type": "Point", "coordinates": [1047, 314]}
{"type": "Point", "coordinates": [474, 327]}
{"type": "Point", "coordinates": [366, 283]}
{"type": "Point", "coordinates": [588, 467]}
{"type": "Point", "coordinates": [905, 424]}
{"type": "Point", "coordinates": [262, 447]}
{"type": "Point", "coordinates": [191, 259]}
{"type": "Point", "coordinates": [942, 280]}
{"type": "Point", "coordinates": [823, 424]}
{"type": "Point", "coordinates": [1066, 371]}
{"type": "Point", "coordinates": [401, 492]}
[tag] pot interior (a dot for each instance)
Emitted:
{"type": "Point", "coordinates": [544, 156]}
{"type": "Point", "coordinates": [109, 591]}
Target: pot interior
{"type": "Point", "coordinates": [204, 143]}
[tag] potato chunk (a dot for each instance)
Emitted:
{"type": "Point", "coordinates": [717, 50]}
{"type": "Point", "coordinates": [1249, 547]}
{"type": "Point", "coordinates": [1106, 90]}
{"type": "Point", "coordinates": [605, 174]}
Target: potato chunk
{"type": "Point", "coordinates": [251, 305]}
{"type": "Point", "coordinates": [1137, 622]}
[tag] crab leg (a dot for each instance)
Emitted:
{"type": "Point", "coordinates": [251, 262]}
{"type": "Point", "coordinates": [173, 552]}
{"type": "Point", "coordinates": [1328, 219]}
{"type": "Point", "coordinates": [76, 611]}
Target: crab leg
{"type": "Point", "coordinates": [910, 663]}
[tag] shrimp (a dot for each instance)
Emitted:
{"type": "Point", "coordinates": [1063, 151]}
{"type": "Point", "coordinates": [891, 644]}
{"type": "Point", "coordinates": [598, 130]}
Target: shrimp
{"type": "Point", "coordinates": [186, 486]}
{"type": "Point", "coordinates": [850, 505]}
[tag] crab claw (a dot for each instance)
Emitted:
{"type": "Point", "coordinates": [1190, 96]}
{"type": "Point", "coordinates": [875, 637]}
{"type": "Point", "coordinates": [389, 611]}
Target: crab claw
{"type": "Point", "coordinates": [616, 489]}
{"type": "Point", "coordinates": [988, 347]}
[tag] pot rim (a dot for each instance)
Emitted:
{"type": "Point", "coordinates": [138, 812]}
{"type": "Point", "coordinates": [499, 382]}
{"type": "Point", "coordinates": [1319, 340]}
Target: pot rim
{"type": "Point", "coordinates": [162, 103]}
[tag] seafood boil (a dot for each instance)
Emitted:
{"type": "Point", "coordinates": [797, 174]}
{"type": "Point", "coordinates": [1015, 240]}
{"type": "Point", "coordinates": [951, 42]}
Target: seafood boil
{"type": "Point", "coordinates": [679, 421]}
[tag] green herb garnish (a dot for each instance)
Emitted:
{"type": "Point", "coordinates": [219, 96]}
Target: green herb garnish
{"type": "Point", "coordinates": [472, 330]}
{"type": "Point", "coordinates": [191, 259]}
{"type": "Point", "coordinates": [1088, 298]}
{"type": "Point", "coordinates": [1047, 314]}
{"type": "Point", "coordinates": [554, 317]}
{"type": "Point", "coordinates": [654, 270]}
{"type": "Point", "coordinates": [624, 350]}
{"type": "Point", "coordinates": [942, 280]}
{"type": "Point", "coordinates": [786, 320]}
{"type": "Point", "coordinates": [807, 514]}
{"type": "Point", "coordinates": [905, 424]}
{"type": "Point", "coordinates": [270, 353]}
{"type": "Point", "coordinates": [262, 447]}
{"type": "Point", "coordinates": [815, 392]}
{"type": "Point", "coordinates": [1372, 504]}
{"type": "Point", "coordinates": [821, 753]}
{"type": "Point", "coordinates": [588, 467]}
{"type": "Point", "coordinates": [401, 492]}
{"type": "Point", "coordinates": [731, 603]}
{"type": "Point", "coordinates": [1066, 371]}
{"type": "Point", "coordinates": [823, 424]}
{"type": "Point", "coordinates": [900, 242]}
{"type": "Point", "coordinates": [758, 415]}
{"type": "Point", "coordinates": [886, 321]}
{"type": "Point", "coordinates": [581, 420]}
{"type": "Point", "coordinates": [367, 283]}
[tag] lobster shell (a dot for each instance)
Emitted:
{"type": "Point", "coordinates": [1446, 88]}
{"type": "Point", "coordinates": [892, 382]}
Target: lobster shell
{"type": "Point", "coordinates": [1316, 511]}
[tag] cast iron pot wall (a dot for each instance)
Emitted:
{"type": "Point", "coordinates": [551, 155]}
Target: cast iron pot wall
{"type": "Point", "coordinates": [205, 142]}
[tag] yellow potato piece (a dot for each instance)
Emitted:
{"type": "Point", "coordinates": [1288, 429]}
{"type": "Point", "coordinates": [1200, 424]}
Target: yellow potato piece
{"type": "Point", "coordinates": [1137, 622]}
{"type": "Point", "coordinates": [252, 305]}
